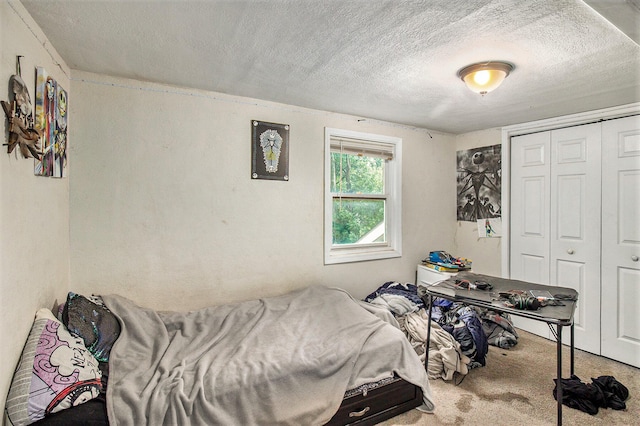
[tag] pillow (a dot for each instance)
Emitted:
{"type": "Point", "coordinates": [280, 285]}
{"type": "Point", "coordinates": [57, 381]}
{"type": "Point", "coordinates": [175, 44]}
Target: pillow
{"type": "Point", "coordinates": [55, 372]}
{"type": "Point", "coordinates": [92, 321]}
{"type": "Point", "coordinates": [59, 312]}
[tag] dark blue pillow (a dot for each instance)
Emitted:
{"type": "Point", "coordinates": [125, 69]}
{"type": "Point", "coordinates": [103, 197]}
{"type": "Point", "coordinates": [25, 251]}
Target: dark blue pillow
{"type": "Point", "coordinates": [93, 322]}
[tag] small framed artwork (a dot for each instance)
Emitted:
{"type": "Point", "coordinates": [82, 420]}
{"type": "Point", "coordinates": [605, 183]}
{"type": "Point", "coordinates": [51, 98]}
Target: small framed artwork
{"type": "Point", "coordinates": [51, 120]}
{"type": "Point", "coordinates": [269, 150]}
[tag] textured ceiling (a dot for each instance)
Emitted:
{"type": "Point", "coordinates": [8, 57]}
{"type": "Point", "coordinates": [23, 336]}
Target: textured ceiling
{"type": "Point", "coordinates": [387, 60]}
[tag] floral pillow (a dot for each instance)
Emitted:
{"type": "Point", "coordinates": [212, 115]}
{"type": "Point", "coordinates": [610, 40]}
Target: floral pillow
{"type": "Point", "coordinates": [55, 372]}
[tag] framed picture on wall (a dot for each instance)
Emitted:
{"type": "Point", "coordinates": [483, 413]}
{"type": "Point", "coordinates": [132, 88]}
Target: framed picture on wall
{"type": "Point", "coordinates": [269, 150]}
{"type": "Point", "coordinates": [51, 120]}
{"type": "Point", "coordinates": [479, 184]}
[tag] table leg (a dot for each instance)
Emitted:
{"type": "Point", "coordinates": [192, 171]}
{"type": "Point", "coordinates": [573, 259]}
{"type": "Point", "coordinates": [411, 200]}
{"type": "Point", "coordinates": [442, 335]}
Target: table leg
{"type": "Point", "coordinates": [559, 375]}
{"type": "Point", "coordinates": [426, 346]}
{"type": "Point", "coordinates": [572, 349]}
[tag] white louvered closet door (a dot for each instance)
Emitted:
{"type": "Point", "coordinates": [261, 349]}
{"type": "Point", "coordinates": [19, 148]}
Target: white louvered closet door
{"type": "Point", "coordinates": [621, 240]}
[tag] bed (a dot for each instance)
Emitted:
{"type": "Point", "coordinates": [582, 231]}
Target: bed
{"type": "Point", "coordinates": [312, 356]}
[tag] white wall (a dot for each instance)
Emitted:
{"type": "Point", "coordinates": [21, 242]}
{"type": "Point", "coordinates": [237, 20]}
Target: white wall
{"type": "Point", "coordinates": [163, 208]}
{"type": "Point", "coordinates": [485, 252]}
{"type": "Point", "coordinates": [34, 211]}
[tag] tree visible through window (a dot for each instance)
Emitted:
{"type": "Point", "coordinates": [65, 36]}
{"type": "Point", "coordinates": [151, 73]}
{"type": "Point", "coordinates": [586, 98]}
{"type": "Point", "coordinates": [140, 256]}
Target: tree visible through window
{"type": "Point", "coordinates": [355, 219]}
{"type": "Point", "coordinates": [362, 207]}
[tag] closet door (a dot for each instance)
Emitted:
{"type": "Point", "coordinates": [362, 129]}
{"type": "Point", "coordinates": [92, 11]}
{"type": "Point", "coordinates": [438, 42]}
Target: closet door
{"type": "Point", "coordinates": [575, 225]}
{"type": "Point", "coordinates": [621, 240]}
{"type": "Point", "coordinates": [555, 221]}
{"type": "Point", "coordinates": [530, 211]}
{"type": "Point", "coordinates": [530, 173]}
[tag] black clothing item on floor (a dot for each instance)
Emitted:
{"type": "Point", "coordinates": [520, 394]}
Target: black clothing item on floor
{"type": "Point", "coordinates": [615, 393]}
{"type": "Point", "coordinates": [605, 391]}
{"type": "Point", "coordinates": [579, 395]}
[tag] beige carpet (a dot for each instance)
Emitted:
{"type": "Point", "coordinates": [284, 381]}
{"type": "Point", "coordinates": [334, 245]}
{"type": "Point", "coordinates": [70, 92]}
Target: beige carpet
{"type": "Point", "coordinates": [515, 388]}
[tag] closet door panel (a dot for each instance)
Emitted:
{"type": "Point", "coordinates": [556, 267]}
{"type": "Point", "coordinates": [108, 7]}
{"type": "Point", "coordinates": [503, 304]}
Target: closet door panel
{"type": "Point", "coordinates": [572, 274]}
{"type": "Point", "coordinates": [629, 199]}
{"type": "Point", "coordinates": [533, 267]}
{"type": "Point", "coordinates": [529, 222]}
{"type": "Point", "coordinates": [629, 288]}
{"type": "Point", "coordinates": [575, 225]}
{"type": "Point", "coordinates": [570, 207]}
{"type": "Point", "coordinates": [530, 207]}
{"type": "Point", "coordinates": [621, 240]}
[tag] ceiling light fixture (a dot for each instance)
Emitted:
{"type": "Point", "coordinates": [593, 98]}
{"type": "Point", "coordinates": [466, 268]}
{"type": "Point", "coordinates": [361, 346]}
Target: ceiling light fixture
{"type": "Point", "coordinates": [484, 77]}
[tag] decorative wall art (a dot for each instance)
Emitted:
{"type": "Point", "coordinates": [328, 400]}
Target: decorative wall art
{"type": "Point", "coordinates": [479, 184]}
{"type": "Point", "coordinates": [20, 117]}
{"type": "Point", "coordinates": [269, 150]}
{"type": "Point", "coordinates": [490, 228]}
{"type": "Point", "coordinates": [51, 121]}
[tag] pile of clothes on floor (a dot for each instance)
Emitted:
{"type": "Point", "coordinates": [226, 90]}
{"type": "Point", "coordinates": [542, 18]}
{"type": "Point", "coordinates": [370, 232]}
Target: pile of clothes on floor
{"type": "Point", "coordinates": [602, 392]}
{"type": "Point", "coordinates": [460, 334]}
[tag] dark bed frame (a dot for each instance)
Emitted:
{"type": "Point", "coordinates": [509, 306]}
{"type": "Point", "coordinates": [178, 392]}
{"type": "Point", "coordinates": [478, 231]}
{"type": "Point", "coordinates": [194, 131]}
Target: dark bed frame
{"type": "Point", "coordinates": [379, 404]}
{"type": "Point", "coordinates": [363, 408]}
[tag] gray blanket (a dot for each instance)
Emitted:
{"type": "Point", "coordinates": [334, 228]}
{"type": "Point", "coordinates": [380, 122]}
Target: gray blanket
{"type": "Point", "coordinates": [283, 360]}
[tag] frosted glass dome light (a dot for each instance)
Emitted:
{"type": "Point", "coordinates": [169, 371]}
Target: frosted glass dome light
{"type": "Point", "coordinates": [484, 77]}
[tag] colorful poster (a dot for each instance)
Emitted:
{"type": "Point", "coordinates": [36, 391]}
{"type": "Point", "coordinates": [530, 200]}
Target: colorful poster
{"type": "Point", "coordinates": [51, 120]}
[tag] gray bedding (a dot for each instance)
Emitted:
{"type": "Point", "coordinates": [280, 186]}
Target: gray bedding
{"type": "Point", "coordinates": [283, 360]}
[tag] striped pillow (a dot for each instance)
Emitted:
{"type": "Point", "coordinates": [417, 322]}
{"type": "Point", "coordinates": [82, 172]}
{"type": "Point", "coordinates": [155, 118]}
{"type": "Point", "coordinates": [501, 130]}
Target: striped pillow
{"type": "Point", "coordinates": [55, 372]}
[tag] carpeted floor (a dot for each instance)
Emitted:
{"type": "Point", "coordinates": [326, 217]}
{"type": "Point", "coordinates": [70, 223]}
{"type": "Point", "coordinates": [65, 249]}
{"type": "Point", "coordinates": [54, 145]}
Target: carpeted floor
{"type": "Point", "coordinates": [515, 388]}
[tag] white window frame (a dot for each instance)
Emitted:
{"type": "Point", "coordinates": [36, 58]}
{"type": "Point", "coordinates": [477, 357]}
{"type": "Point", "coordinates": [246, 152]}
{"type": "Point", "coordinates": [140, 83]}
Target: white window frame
{"type": "Point", "coordinates": [334, 254]}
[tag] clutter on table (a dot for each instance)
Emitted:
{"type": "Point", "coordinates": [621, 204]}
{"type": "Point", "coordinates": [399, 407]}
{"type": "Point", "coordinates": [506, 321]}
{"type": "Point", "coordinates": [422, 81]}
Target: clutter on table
{"type": "Point", "coordinates": [445, 262]}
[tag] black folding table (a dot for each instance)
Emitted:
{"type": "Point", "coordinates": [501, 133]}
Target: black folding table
{"type": "Point", "coordinates": [455, 289]}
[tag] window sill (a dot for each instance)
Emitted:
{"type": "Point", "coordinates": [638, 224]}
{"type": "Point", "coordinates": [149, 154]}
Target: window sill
{"type": "Point", "coordinates": [336, 256]}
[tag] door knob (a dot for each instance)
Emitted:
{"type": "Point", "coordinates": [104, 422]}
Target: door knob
{"type": "Point", "coordinates": [634, 258]}
{"type": "Point", "coordinates": [570, 251]}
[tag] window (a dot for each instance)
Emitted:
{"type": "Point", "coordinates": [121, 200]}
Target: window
{"type": "Point", "coordinates": [363, 205]}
